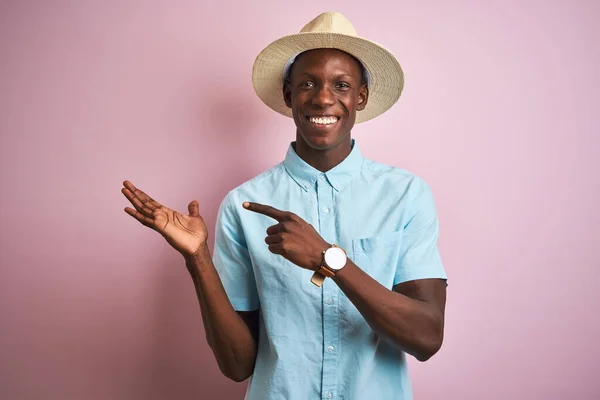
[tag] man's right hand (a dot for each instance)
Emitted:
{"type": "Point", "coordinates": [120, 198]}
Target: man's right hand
{"type": "Point", "coordinates": [186, 233]}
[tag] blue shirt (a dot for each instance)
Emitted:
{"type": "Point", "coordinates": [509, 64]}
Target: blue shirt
{"type": "Point", "coordinates": [313, 342]}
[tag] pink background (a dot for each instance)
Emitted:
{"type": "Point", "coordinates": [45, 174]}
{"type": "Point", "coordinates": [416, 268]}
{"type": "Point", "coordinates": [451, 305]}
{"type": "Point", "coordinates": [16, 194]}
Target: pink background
{"type": "Point", "coordinates": [499, 116]}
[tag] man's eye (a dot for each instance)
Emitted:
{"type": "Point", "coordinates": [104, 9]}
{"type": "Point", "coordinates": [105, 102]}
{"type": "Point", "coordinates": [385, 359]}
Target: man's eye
{"type": "Point", "coordinates": [307, 84]}
{"type": "Point", "coordinates": [343, 85]}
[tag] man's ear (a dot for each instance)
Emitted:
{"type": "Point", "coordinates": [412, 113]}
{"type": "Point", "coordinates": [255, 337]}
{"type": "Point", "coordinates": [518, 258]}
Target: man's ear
{"type": "Point", "coordinates": [363, 97]}
{"type": "Point", "coordinates": [287, 94]}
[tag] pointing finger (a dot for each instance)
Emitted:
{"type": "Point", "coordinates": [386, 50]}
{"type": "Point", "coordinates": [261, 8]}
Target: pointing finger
{"type": "Point", "coordinates": [269, 211]}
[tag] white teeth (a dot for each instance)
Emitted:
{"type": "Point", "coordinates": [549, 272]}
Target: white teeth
{"type": "Point", "coordinates": [323, 120]}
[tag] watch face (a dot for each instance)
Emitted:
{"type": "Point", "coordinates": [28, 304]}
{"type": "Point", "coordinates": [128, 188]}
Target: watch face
{"type": "Point", "coordinates": [335, 258]}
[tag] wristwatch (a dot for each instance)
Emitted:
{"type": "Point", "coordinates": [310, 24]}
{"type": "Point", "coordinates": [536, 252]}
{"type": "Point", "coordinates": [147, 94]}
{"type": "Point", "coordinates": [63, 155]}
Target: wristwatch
{"type": "Point", "coordinates": [334, 259]}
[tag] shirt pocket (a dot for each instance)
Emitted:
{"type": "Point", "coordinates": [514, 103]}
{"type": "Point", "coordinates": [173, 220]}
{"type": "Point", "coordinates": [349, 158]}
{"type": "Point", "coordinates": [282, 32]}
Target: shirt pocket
{"type": "Point", "coordinates": [378, 256]}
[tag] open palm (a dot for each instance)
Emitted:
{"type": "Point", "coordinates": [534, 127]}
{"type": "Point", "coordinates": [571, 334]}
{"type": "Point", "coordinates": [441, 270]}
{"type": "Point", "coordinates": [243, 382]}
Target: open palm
{"type": "Point", "coordinates": [186, 233]}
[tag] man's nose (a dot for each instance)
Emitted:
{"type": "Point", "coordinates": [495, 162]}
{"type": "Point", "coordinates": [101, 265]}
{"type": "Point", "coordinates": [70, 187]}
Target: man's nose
{"type": "Point", "coordinates": [324, 96]}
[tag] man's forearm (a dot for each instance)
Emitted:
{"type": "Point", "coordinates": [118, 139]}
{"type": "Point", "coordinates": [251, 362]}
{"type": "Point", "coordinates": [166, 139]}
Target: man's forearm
{"type": "Point", "coordinates": [413, 325]}
{"type": "Point", "coordinates": [226, 332]}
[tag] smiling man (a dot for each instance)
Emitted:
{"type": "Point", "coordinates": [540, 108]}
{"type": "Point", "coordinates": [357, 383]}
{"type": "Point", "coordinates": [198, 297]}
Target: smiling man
{"type": "Point", "coordinates": [326, 270]}
{"type": "Point", "coordinates": [325, 88]}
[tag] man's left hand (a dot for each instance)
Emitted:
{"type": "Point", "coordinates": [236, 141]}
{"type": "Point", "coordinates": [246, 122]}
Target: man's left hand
{"type": "Point", "coordinates": [292, 237]}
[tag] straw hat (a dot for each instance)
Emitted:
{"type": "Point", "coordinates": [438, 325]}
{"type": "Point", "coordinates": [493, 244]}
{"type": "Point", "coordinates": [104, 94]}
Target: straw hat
{"type": "Point", "coordinates": [385, 78]}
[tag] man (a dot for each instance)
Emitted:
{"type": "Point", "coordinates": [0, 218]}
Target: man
{"type": "Point", "coordinates": [325, 269]}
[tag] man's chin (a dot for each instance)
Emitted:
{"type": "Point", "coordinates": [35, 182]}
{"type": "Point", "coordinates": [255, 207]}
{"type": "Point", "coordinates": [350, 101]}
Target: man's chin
{"type": "Point", "coordinates": [320, 142]}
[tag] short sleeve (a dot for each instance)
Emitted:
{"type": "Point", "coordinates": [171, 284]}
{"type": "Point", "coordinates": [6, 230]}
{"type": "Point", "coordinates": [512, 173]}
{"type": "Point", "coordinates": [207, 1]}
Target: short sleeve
{"type": "Point", "coordinates": [420, 257]}
{"type": "Point", "coordinates": [232, 260]}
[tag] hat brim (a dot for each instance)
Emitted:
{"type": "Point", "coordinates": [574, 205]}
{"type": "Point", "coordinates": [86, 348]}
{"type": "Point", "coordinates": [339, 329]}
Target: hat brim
{"type": "Point", "coordinates": [386, 78]}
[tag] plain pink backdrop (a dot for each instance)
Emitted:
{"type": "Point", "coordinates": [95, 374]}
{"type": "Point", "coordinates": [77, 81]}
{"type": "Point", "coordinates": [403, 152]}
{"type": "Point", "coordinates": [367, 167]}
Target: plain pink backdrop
{"type": "Point", "coordinates": [499, 115]}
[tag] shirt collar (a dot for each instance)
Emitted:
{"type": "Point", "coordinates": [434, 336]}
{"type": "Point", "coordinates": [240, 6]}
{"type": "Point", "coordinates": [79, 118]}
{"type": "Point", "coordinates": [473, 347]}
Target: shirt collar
{"type": "Point", "coordinates": [339, 176]}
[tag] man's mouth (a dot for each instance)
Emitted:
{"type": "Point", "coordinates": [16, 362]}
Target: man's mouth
{"type": "Point", "coordinates": [323, 120]}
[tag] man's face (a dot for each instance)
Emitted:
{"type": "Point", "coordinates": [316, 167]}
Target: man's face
{"type": "Point", "coordinates": [324, 91]}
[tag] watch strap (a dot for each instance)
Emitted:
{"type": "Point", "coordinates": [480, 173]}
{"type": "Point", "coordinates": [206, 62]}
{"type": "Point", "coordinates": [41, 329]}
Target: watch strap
{"type": "Point", "coordinates": [317, 279]}
{"type": "Point", "coordinates": [319, 276]}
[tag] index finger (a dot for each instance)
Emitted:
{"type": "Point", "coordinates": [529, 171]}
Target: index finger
{"type": "Point", "coordinates": [269, 211]}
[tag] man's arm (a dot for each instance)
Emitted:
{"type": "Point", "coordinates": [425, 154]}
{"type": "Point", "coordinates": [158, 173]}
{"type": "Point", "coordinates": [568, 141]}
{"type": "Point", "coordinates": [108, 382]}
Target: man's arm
{"type": "Point", "coordinates": [232, 336]}
{"type": "Point", "coordinates": [411, 316]}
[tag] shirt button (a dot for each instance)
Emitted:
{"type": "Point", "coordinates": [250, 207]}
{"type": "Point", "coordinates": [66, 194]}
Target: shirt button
{"type": "Point", "coordinates": [330, 301]}
{"type": "Point", "coordinates": [330, 348]}
{"type": "Point", "coordinates": [322, 177]}
{"type": "Point", "coordinates": [325, 210]}
{"type": "Point", "coordinates": [329, 395]}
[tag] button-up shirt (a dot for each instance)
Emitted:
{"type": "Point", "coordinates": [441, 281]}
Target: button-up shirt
{"type": "Point", "coordinates": [313, 343]}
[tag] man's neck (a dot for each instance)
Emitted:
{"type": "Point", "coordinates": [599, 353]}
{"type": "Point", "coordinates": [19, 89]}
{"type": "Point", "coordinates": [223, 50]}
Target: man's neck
{"type": "Point", "coordinates": [322, 160]}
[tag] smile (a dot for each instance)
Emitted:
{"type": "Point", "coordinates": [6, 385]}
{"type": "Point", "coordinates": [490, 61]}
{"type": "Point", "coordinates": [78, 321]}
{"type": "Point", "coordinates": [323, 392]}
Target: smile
{"type": "Point", "coordinates": [323, 120]}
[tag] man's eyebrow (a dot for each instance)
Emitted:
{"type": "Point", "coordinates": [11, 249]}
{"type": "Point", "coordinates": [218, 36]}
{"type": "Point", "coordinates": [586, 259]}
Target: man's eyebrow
{"type": "Point", "coordinates": [336, 76]}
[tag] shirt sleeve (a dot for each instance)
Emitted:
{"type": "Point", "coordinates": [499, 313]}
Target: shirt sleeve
{"type": "Point", "coordinates": [232, 259]}
{"type": "Point", "coordinates": [420, 257]}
